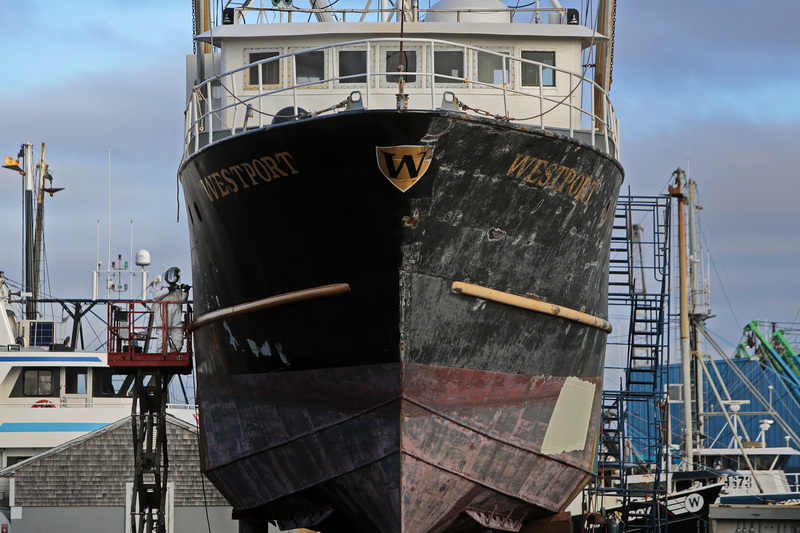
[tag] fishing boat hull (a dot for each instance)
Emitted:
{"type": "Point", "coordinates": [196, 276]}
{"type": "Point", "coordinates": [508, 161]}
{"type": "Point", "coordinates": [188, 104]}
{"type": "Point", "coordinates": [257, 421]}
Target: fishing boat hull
{"type": "Point", "coordinates": [682, 512]}
{"type": "Point", "coordinates": [454, 383]}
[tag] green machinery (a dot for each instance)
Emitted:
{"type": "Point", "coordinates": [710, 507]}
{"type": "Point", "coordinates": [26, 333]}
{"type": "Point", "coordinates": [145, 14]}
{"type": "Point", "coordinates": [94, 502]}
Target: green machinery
{"type": "Point", "coordinates": [777, 350]}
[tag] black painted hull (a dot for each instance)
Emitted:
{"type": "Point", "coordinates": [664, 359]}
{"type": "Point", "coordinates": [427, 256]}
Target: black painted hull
{"type": "Point", "coordinates": [401, 405]}
{"type": "Point", "coordinates": [683, 512]}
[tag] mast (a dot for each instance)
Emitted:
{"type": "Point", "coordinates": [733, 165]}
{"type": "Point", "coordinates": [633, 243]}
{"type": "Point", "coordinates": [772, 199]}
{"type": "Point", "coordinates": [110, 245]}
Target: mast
{"type": "Point", "coordinates": [38, 240]}
{"type": "Point", "coordinates": [202, 23]}
{"type": "Point", "coordinates": [33, 239]}
{"type": "Point", "coordinates": [697, 312]}
{"type": "Point", "coordinates": [686, 353]}
{"type": "Point", "coordinates": [321, 12]}
{"type": "Point", "coordinates": [30, 305]}
{"type": "Point", "coordinates": [605, 50]}
{"type": "Point", "coordinates": [604, 54]}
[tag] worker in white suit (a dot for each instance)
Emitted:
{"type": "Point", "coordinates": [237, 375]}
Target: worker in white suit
{"type": "Point", "coordinates": [169, 310]}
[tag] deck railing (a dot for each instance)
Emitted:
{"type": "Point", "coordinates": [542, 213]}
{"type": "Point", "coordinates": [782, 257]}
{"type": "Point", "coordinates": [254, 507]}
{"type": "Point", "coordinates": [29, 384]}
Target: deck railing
{"type": "Point", "coordinates": [222, 105]}
{"type": "Point", "coordinates": [284, 11]}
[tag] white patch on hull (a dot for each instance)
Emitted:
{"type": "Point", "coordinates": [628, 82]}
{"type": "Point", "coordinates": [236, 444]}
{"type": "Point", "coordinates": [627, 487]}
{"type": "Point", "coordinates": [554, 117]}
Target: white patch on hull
{"type": "Point", "coordinates": [569, 422]}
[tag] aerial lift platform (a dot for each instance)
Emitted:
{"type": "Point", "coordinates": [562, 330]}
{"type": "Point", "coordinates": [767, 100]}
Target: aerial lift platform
{"type": "Point", "coordinates": [148, 340]}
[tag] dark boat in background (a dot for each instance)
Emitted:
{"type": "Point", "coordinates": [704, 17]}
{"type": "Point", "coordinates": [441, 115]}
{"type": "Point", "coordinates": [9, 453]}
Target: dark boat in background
{"type": "Point", "coordinates": [685, 511]}
{"type": "Point", "coordinates": [400, 225]}
{"type": "Point", "coordinates": [682, 508]}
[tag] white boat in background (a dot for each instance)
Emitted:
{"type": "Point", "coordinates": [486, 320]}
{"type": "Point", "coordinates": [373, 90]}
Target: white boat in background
{"type": "Point", "coordinates": [51, 392]}
{"type": "Point", "coordinates": [756, 471]}
{"type": "Point", "coordinates": [52, 389]}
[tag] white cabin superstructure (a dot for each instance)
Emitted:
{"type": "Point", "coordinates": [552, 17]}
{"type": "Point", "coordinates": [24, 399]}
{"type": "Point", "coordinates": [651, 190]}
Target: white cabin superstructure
{"type": "Point", "coordinates": [521, 65]}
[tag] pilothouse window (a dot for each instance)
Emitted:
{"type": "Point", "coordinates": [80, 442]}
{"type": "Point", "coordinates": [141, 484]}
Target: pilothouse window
{"type": "Point", "coordinates": [530, 72]}
{"type": "Point", "coordinates": [77, 380]}
{"type": "Point", "coordinates": [310, 66]}
{"type": "Point", "coordinates": [449, 64]}
{"type": "Point", "coordinates": [351, 64]}
{"type": "Point", "coordinates": [38, 383]}
{"type": "Point", "coordinates": [409, 65]}
{"type": "Point", "coordinates": [493, 69]}
{"type": "Point", "coordinates": [270, 72]}
{"type": "Point", "coordinates": [106, 383]}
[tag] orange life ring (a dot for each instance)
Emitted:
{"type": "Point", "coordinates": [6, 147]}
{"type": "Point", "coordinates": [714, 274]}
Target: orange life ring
{"type": "Point", "coordinates": [43, 403]}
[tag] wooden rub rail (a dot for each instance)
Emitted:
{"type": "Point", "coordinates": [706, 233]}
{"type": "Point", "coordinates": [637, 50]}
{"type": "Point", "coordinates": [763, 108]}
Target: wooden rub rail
{"type": "Point", "coordinates": [531, 305]}
{"type": "Point", "coordinates": [266, 303]}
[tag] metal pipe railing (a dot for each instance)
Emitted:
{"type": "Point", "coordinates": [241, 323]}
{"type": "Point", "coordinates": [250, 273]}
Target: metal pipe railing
{"type": "Point", "coordinates": [202, 111]}
{"type": "Point", "coordinates": [285, 14]}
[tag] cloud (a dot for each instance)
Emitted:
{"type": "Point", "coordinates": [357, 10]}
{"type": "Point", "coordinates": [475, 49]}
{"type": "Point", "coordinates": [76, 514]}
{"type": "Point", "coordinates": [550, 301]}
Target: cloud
{"type": "Point", "coordinates": [680, 60]}
{"type": "Point", "coordinates": [705, 86]}
{"type": "Point", "coordinates": [121, 125]}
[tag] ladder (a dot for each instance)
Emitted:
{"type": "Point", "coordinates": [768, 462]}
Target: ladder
{"type": "Point", "coordinates": [635, 445]}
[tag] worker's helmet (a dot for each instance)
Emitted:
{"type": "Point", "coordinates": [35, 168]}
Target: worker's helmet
{"type": "Point", "coordinates": [173, 275]}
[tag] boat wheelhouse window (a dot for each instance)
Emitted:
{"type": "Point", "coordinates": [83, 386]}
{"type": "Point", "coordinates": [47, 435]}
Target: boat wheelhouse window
{"type": "Point", "coordinates": [37, 382]}
{"type": "Point", "coordinates": [77, 380]}
{"type": "Point", "coordinates": [352, 63]}
{"type": "Point", "coordinates": [449, 64]}
{"type": "Point", "coordinates": [310, 66]}
{"type": "Point", "coordinates": [530, 72]}
{"type": "Point", "coordinates": [491, 68]}
{"type": "Point", "coordinates": [270, 72]}
{"type": "Point", "coordinates": [409, 65]}
{"type": "Point", "coordinates": [767, 462]}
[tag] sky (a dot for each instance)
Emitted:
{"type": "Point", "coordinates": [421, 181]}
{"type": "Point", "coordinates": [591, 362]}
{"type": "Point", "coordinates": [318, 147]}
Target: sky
{"type": "Point", "coordinates": [709, 86]}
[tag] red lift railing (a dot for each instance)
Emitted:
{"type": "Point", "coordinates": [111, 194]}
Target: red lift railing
{"type": "Point", "coordinates": [150, 334]}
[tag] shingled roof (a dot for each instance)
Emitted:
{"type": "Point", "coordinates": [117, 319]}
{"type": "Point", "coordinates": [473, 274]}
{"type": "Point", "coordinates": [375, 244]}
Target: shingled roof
{"type": "Point", "coordinates": [93, 469]}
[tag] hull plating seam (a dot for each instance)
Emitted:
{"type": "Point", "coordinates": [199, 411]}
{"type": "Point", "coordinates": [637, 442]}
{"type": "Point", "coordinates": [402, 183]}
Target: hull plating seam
{"type": "Point", "coordinates": [266, 303]}
{"type": "Point", "coordinates": [316, 482]}
{"type": "Point", "coordinates": [470, 479]}
{"type": "Point", "coordinates": [492, 437]}
{"type": "Point", "coordinates": [301, 436]}
{"type": "Point", "coordinates": [421, 406]}
{"type": "Point", "coordinates": [531, 305]}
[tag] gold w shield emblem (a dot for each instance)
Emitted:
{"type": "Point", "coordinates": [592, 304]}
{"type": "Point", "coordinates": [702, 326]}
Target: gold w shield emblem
{"type": "Point", "coordinates": [404, 165]}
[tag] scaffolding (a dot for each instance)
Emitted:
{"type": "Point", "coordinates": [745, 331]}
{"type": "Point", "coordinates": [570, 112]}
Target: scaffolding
{"type": "Point", "coordinates": [639, 261]}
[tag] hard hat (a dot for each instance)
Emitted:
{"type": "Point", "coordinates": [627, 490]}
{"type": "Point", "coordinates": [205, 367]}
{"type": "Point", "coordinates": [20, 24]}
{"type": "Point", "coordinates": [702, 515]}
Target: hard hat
{"type": "Point", "coordinates": [172, 275]}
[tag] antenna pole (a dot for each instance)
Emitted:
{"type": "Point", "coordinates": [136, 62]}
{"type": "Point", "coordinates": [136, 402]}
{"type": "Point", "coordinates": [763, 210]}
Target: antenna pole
{"type": "Point", "coordinates": [131, 275]}
{"type": "Point", "coordinates": [30, 275]}
{"type": "Point", "coordinates": [108, 263]}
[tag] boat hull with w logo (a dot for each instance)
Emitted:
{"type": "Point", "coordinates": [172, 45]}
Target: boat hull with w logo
{"type": "Point", "coordinates": [685, 511]}
{"type": "Point", "coordinates": [393, 397]}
